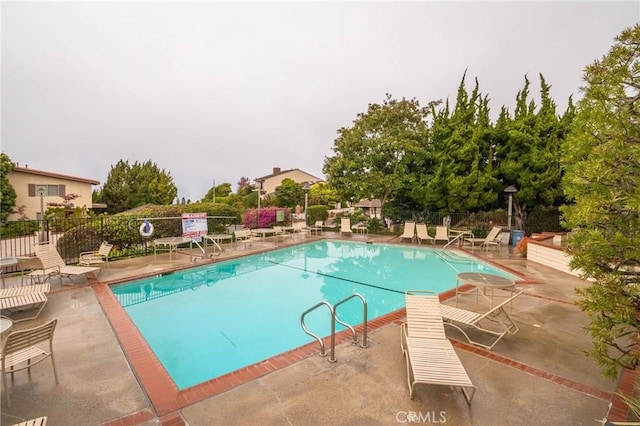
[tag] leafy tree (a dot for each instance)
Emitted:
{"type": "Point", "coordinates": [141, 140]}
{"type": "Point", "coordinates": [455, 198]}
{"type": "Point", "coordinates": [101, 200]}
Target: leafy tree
{"type": "Point", "coordinates": [372, 157]}
{"type": "Point", "coordinates": [243, 183]}
{"type": "Point", "coordinates": [601, 158]}
{"type": "Point", "coordinates": [322, 194]}
{"type": "Point", "coordinates": [458, 173]}
{"type": "Point", "coordinates": [222, 191]}
{"type": "Point", "coordinates": [7, 192]}
{"type": "Point", "coordinates": [289, 194]}
{"type": "Point", "coordinates": [128, 186]}
{"type": "Point", "coordinates": [529, 152]}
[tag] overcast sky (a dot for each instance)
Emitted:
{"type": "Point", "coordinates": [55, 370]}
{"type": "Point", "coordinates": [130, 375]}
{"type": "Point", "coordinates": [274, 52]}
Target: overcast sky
{"type": "Point", "coordinates": [220, 90]}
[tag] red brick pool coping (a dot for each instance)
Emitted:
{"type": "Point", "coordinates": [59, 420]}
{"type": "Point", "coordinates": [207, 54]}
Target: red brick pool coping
{"type": "Point", "coordinates": [167, 399]}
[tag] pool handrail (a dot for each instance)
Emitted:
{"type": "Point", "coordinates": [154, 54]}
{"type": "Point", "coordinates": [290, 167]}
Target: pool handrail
{"type": "Point", "coordinates": [334, 319]}
{"type": "Point", "coordinates": [332, 358]}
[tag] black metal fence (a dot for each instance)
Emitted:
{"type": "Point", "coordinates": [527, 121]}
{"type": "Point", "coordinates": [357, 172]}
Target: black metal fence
{"type": "Point", "coordinates": [72, 236]}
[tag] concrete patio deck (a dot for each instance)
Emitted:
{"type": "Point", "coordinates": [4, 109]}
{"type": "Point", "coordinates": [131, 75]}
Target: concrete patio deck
{"type": "Point", "coordinates": [538, 376]}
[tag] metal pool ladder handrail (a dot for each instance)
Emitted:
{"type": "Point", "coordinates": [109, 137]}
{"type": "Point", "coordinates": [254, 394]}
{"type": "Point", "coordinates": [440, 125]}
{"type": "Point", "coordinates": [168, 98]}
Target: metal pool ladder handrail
{"type": "Point", "coordinates": [459, 237]}
{"type": "Point", "coordinates": [335, 318]}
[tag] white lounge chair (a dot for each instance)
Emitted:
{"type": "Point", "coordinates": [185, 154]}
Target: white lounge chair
{"type": "Point", "coordinates": [96, 257]}
{"type": "Point", "coordinates": [24, 290]}
{"type": "Point", "coordinates": [496, 322]}
{"type": "Point", "coordinates": [317, 228]}
{"type": "Point", "coordinates": [24, 306]}
{"type": "Point", "coordinates": [244, 236]}
{"type": "Point", "coordinates": [53, 265]}
{"type": "Point", "coordinates": [493, 238]}
{"type": "Point", "coordinates": [442, 234]}
{"type": "Point", "coordinates": [20, 352]}
{"type": "Point", "coordinates": [345, 226]}
{"type": "Point", "coordinates": [40, 421]}
{"type": "Point", "coordinates": [423, 234]}
{"type": "Point", "coordinates": [409, 231]}
{"type": "Point", "coordinates": [430, 357]}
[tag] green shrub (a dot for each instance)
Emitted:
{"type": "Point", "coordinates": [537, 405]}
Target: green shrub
{"type": "Point", "coordinates": [315, 213]}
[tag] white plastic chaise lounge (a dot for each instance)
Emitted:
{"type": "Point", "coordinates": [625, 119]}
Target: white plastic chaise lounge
{"type": "Point", "coordinates": [345, 226]}
{"type": "Point", "coordinates": [430, 356]}
{"type": "Point", "coordinates": [496, 322]}
{"type": "Point", "coordinates": [422, 234]}
{"type": "Point", "coordinates": [24, 290]}
{"type": "Point", "coordinates": [52, 264]}
{"type": "Point", "coordinates": [96, 257]}
{"type": "Point", "coordinates": [40, 421]}
{"type": "Point", "coordinates": [442, 234]}
{"type": "Point", "coordinates": [24, 306]}
{"type": "Point", "coordinates": [409, 231]}
{"type": "Point", "coordinates": [490, 239]}
{"type": "Point", "coordinates": [317, 228]}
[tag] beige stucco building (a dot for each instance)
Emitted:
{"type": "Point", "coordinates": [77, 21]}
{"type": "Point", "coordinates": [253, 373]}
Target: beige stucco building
{"type": "Point", "coordinates": [29, 183]}
{"type": "Point", "coordinates": [272, 181]}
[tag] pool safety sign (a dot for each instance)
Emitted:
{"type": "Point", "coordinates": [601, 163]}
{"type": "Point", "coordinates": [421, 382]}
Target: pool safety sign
{"type": "Point", "coordinates": [194, 225]}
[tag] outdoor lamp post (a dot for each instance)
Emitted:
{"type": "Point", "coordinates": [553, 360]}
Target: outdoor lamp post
{"type": "Point", "coordinates": [41, 190]}
{"type": "Point", "coordinates": [306, 188]}
{"type": "Point", "coordinates": [510, 190]}
{"type": "Point", "coordinates": [214, 191]}
{"type": "Point", "coordinates": [258, 189]}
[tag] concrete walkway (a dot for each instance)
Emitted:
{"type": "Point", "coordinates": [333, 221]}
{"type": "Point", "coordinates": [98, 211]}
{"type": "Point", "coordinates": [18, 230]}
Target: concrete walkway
{"type": "Point", "coordinates": [538, 376]}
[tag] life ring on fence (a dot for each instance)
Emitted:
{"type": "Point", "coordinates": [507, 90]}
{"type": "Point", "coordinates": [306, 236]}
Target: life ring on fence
{"type": "Point", "coordinates": [146, 229]}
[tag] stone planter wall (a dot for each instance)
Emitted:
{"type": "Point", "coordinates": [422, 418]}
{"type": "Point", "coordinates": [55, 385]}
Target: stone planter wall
{"type": "Point", "coordinates": [545, 253]}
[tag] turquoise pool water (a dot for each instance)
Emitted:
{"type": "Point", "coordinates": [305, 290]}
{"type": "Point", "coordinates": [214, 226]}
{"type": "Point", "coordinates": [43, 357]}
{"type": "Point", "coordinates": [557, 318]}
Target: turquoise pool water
{"type": "Point", "coordinates": [210, 320]}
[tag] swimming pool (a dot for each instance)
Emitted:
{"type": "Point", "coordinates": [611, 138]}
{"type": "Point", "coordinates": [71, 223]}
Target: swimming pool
{"type": "Point", "coordinates": [207, 321]}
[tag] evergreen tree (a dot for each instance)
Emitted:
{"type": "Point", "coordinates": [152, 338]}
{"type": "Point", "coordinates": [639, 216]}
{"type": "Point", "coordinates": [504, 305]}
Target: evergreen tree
{"type": "Point", "coordinates": [601, 157]}
{"type": "Point", "coordinates": [128, 186]}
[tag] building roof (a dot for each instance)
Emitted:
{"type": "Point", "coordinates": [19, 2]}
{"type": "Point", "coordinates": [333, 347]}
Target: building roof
{"type": "Point", "coordinates": [281, 172]}
{"type": "Point", "coordinates": [18, 169]}
{"type": "Point", "coordinates": [372, 204]}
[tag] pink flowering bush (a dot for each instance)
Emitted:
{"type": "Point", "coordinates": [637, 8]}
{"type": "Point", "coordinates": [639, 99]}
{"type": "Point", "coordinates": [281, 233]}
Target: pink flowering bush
{"type": "Point", "coordinates": [265, 218]}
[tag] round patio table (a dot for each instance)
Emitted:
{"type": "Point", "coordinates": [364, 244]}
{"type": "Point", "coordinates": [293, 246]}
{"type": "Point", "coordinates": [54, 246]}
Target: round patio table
{"type": "Point", "coordinates": [484, 281]}
{"type": "Point", "coordinates": [263, 232]}
{"type": "Point", "coordinates": [6, 262]}
{"type": "Point", "coordinates": [5, 325]}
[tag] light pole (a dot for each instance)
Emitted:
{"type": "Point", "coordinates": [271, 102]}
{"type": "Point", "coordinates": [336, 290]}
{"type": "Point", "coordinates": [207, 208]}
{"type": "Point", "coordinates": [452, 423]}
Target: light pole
{"type": "Point", "coordinates": [214, 191]}
{"type": "Point", "coordinates": [258, 186]}
{"type": "Point", "coordinates": [510, 190]}
{"type": "Point", "coordinates": [41, 190]}
{"type": "Point", "coordinates": [306, 188]}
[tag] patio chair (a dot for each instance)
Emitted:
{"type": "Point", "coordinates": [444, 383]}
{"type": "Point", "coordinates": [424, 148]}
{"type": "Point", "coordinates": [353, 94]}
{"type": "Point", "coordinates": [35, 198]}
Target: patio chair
{"type": "Point", "coordinates": [25, 290]}
{"type": "Point", "coordinates": [96, 257]}
{"type": "Point", "coordinates": [496, 322]}
{"type": "Point", "coordinates": [20, 352]}
{"type": "Point", "coordinates": [409, 231]}
{"type": "Point", "coordinates": [492, 238]}
{"type": "Point", "coordinates": [317, 227]}
{"type": "Point", "coordinates": [422, 234]}
{"type": "Point", "coordinates": [244, 236]}
{"type": "Point", "coordinates": [442, 234]}
{"type": "Point", "coordinates": [280, 234]}
{"type": "Point", "coordinates": [40, 421]}
{"type": "Point", "coordinates": [301, 228]}
{"type": "Point", "coordinates": [430, 356]}
{"type": "Point", "coordinates": [345, 226]}
{"type": "Point", "coordinates": [52, 264]}
{"type": "Point", "coordinates": [20, 306]}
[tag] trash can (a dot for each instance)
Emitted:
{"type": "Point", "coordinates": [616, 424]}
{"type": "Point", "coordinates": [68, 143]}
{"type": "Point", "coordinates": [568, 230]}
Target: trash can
{"type": "Point", "coordinates": [516, 236]}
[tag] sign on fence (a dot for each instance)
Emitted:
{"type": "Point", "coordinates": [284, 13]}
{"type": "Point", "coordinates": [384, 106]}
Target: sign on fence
{"type": "Point", "coordinates": [194, 225]}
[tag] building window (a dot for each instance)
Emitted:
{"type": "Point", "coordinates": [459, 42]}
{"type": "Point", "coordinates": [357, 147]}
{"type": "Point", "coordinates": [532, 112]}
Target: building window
{"type": "Point", "coordinates": [49, 190]}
